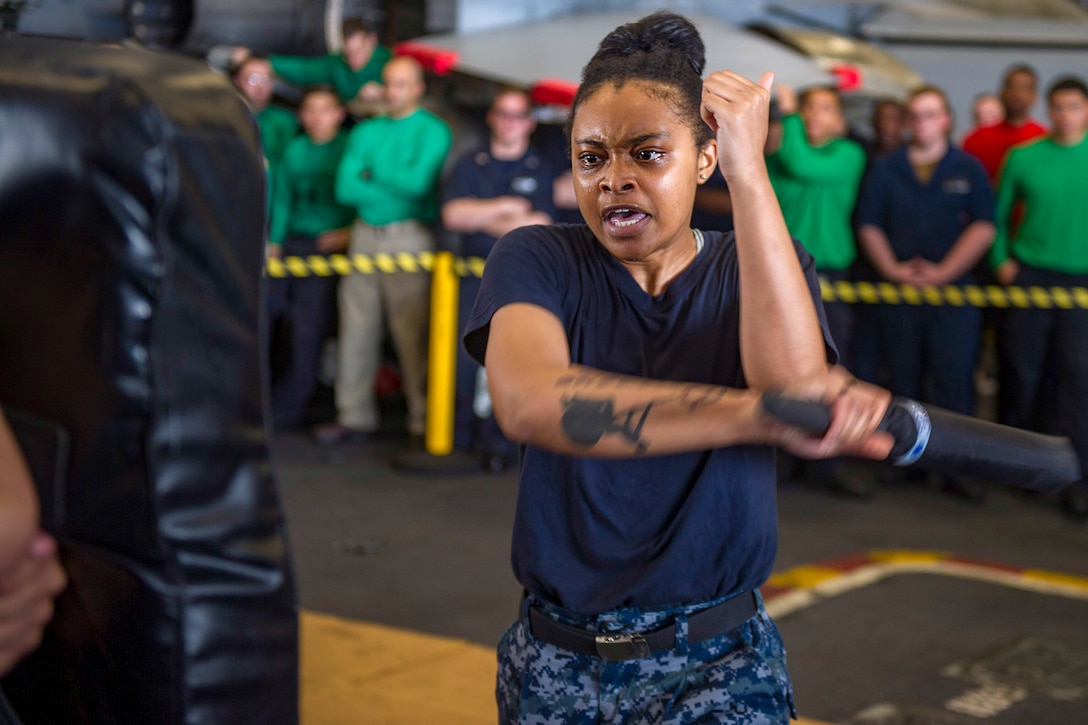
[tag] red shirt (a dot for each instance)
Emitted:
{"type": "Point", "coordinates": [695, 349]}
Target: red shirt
{"type": "Point", "coordinates": [989, 143]}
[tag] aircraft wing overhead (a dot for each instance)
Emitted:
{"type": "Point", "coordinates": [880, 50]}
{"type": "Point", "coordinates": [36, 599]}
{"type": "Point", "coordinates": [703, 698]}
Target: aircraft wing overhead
{"type": "Point", "coordinates": [910, 26]}
{"type": "Point", "coordinates": [1055, 23]}
{"type": "Point", "coordinates": [557, 49]}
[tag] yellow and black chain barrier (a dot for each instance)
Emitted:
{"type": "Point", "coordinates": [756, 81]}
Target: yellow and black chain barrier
{"type": "Point", "coordinates": [340, 265]}
{"type": "Point", "coordinates": [876, 293]}
{"type": "Point", "coordinates": [873, 293]}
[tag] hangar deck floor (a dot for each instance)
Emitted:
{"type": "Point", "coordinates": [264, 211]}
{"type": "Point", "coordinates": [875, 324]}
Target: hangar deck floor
{"type": "Point", "coordinates": [912, 607]}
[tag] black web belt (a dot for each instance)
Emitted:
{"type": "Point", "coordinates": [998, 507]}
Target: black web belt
{"type": "Point", "coordinates": [702, 625]}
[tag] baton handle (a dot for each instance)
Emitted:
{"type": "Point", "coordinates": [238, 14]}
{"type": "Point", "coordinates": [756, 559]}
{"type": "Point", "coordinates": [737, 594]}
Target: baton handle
{"type": "Point", "coordinates": [951, 443]}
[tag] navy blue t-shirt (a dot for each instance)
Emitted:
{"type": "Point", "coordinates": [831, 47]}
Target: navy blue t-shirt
{"type": "Point", "coordinates": [593, 535]}
{"type": "Point", "coordinates": [925, 220]}
{"type": "Point", "coordinates": [482, 176]}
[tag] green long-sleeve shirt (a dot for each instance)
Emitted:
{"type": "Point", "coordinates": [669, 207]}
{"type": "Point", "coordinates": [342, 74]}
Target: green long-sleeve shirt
{"type": "Point", "coordinates": [390, 168]}
{"type": "Point", "coordinates": [817, 188]}
{"type": "Point", "coordinates": [277, 126]}
{"type": "Point", "coordinates": [304, 199]}
{"type": "Point", "coordinates": [1049, 179]}
{"type": "Point", "coordinates": [331, 69]}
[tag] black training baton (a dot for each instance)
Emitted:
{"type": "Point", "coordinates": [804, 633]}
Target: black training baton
{"type": "Point", "coordinates": [946, 442]}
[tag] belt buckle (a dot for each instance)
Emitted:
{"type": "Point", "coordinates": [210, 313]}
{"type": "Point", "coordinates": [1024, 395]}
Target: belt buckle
{"type": "Point", "coordinates": [620, 647]}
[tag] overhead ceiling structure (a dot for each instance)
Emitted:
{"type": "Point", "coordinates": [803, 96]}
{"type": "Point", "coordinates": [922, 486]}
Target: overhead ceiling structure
{"type": "Point", "coordinates": [547, 56]}
{"type": "Point", "coordinates": [1038, 23]}
{"type": "Point", "coordinates": [873, 69]}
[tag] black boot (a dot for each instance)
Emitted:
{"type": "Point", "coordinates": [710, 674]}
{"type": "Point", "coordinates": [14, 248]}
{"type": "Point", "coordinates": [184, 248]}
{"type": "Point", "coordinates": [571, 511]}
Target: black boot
{"type": "Point", "coordinates": [1075, 501]}
{"type": "Point", "coordinates": [967, 489]}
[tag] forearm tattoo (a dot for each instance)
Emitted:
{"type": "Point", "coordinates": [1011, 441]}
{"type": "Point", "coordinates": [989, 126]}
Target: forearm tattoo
{"type": "Point", "coordinates": [586, 421]}
{"type": "Point", "coordinates": [588, 418]}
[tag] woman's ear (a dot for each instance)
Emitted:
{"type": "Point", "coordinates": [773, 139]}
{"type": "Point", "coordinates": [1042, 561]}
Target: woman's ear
{"type": "Point", "coordinates": [708, 160]}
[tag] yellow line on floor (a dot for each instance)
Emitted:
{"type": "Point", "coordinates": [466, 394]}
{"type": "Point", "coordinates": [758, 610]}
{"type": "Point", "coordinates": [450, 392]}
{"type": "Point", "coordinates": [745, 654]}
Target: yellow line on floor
{"type": "Point", "coordinates": [356, 672]}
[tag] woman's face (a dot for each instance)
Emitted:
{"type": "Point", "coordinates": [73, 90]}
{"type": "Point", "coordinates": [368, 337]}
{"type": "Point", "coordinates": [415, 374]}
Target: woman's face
{"type": "Point", "coordinates": [636, 167]}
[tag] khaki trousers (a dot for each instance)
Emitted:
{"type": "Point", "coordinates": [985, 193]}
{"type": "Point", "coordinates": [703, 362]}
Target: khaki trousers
{"type": "Point", "coordinates": [400, 300]}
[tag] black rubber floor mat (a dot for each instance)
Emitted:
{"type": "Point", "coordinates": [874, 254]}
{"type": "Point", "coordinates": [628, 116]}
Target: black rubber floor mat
{"type": "Point", "coordinates": [938, 644]}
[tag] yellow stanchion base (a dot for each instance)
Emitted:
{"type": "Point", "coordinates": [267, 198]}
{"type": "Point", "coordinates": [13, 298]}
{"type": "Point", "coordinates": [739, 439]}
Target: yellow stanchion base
{"type": "Point", "coordinates": [452, 464]}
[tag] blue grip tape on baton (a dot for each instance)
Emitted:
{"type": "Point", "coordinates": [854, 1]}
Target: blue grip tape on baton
{"type": "Point", "coordinates": [921, 424]}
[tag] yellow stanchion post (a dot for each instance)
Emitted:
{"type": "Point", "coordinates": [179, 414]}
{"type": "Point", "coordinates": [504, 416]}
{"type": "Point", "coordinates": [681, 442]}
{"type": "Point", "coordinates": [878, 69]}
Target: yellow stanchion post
{"type": "Point", "coordinates": [438, 456]}
{"type": "Point", "coordinates": [442, 364]}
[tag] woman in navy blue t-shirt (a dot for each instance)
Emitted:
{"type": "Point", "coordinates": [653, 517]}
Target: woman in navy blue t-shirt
{"type": "Point", "coordinates": [627, 356]}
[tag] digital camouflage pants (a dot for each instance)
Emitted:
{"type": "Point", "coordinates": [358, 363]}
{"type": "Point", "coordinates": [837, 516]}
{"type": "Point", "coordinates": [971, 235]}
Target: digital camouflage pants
{"type": "Point", "coordinates": [738, 677]}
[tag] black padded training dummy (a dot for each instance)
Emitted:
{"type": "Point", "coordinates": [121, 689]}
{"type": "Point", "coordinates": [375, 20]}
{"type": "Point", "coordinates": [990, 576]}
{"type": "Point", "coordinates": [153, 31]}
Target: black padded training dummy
{"type": "Point", "coordinates": [131, 213]}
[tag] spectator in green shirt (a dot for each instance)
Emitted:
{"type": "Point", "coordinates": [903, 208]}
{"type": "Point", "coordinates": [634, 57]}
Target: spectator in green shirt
{"type": "Point", "coordinates": [277, 125]}
{"type": "Point", "coordinates": [355, 72]}
{"type": "Point", "coordinates": [305, 220]}
{"type": "Point", "coordinates": [1049, 248]}
{"type": "Point", "coordinates": [816, 173]}
{"type": "Point", "coordinates": [389, 174]}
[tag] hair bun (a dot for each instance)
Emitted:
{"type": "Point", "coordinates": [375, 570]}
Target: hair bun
{"type": "Point", "coordinates": [661, 32]}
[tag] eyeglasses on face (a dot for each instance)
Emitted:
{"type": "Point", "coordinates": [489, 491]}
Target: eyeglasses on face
{"type": "Point", "coordinates": [926, 115]}
{"type": "Point", "coordinates": [510, 116]}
